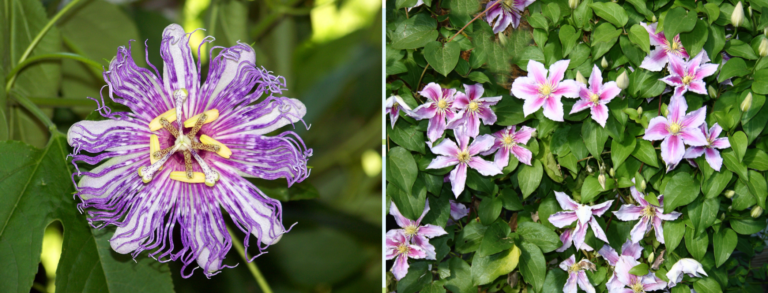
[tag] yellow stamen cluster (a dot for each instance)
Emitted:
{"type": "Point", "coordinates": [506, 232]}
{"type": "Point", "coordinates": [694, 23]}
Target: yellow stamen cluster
{"type": "Point", "coordinates": [411, 230]}
{"type": "Point", "coordinates": [545, 90]}
{"type": "Point", "coordinates": [674, 128]}
{"type": "Point", "coordinates": [649, 211]}
{"type": "Point", "coordinates": [574, 268]}
{"type": "Point", "coordinates": [638, 287]}
{"type": "Point", "coordinates": [473, 106]}
{"type": "Point", "coordinates": [403, 249]}
{"type": "Point", "coordinates": [508, 140]}
{"type": "Point", "coordinates": [463, 156]}
{"type": "Point", "coordinates": [687, 79]}
{"type": "Point", "coordinates": [594, 98]}
{"type": "Point", "coordinates": [442, 104]}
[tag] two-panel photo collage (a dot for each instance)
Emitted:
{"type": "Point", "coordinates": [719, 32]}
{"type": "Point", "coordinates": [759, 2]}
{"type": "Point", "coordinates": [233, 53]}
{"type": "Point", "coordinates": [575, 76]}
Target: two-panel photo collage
{"type": "Point", "coordinates": [386, 146]}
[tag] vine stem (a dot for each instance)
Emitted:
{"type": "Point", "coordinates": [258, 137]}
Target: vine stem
{"type": "Point", "coordinates": [473, 20]}
{"type": "Point", "coordinates": [62, 55]}
{"type": "Point", "coordinates": [251, 265]}
{"type": "Point", "coordinates": [32, 108]}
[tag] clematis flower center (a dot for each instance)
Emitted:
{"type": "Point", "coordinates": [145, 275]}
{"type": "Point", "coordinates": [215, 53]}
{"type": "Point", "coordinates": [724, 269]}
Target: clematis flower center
{"type": "Point", "coordinates": [545, 90]}
{"type": "Point", "coordinates": [473, 106]}
{"type": "Point", "coordinates": [403, 249]}
{"type": "Point", "coordinates": [574, 268]}
{"type": "Point", "coordinates": [637, 287]}
{"type": "Point", "coordinates": [687, 79]}
{"type": "Point", "coordinates": [508, 140]}
{"type": "Point", "coordinates": [594, 98]}
{"type": "Point", "coordinates": [442, 104]}
{"type": "Point", "coordinates": [649, 211]}
{"type": "Point", "coordinates": [674, 128]}
{"type": "Point", "coordinates": [463, 156]}
{"type": "Point", "coordinates": [509, 3]}
{"type": "Point", "coordinates": [675, 46]}
{"type": "Point", "coordinates": [411, 230]}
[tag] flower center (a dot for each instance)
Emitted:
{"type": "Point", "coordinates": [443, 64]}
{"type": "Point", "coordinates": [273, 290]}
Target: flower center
{"type": "Point", "coordinates": [649, 211]}
{"type": "Point", "coordinates": [637, 287]}
{"type": "Point", "coordinates": [594, 98]}
{"type": "Point", "coordinates": [545, 90]}
{"type": "Point", "coordinates": [574, 268]}
{"type": "Point", "coordinates": [188, 144]}
{"type": "Point", "coordinates": [687, 79]}
{"type": "Point", "coordinates": [403, 249]}
{"type": "Point", "coordinates": [508, 140]}
{"type": "Point", "coordinates": [675, 46]}
{"type": "Point", "coordinates": [442, 104]}
{"type": "Point", "coordinates": [674, 128]}
{"type": "Point", "coordinates": [411, 230]}
{"type": "Point", "coordinates": [473, 106]}
{"type": "Point", "coordinates": [463, 156]}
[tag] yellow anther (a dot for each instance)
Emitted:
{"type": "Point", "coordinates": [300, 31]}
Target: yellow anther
{"type": "Point", "coordinates": [508, 140]}
{"type": "Point", "coordinates": [687, 79]}
{"type": "Point", "coordinates": [473, 106]}
{"type": "Point", "coordinates": [674, 128]}
{"type": "Point", "coordinates": [154, 146]}
{"type": "Point", "coordinates": [211, 115]}
{"type": "Point", "coordinates": [197, 177]}
{"type": "Point", "coordinates": [442, 104]}
{"type": "Point", "coordinates": [463, 157]}
{"type": "Point", "coordinates": [223, 151]}
{"type": "Point", "coordinates": [545, 90]}
{"type": "Point", "coordinates": [155, 124]}
{"type": "Point", "coordinates": [594, 98]}
{"type": "Point", "coordinates": [411, 230]}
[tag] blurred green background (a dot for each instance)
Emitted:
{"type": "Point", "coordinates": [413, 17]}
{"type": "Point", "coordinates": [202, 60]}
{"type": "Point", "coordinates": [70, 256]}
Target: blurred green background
{"type": "Point", "coordinates": [329, 51]}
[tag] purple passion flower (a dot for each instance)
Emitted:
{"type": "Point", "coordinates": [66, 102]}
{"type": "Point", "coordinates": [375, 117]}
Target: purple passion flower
{"type": "Point", "coordinates": [709, 150]}
{"type": "Point", "coordinates": [649, 214]}
{"type": "Point", "coordinates": [393, 105]}
{"type": "Point", "coordinates": [464, 155]}
{"type": "Point", "coordinates": [658, 58]}
{"type": "Point", "coordinates": [596, 97]}
{"type": "Point", "coordinates": [417, 233]}
{"type": "Point", "coordinates": [583, 215]}
{"type": "Point", "coordinates": [180, 154]}
{"type": "Point", "coordinates": [508, 141]}
{"type": "Point", "coordinates": [437, 109]}
{"type": "Point", "coordinates": [677, 129]}
{"type": "Point", "coordinates": [472, 108]}
{"type": "Point", "coordinates": [539, 91]}
{"type": "Point", "coordinates": [577, 275]}
{"type": "Point", "coordinates": [505, 13]}
{"type": "Point", "coordinates": [686, 76]}
{"type": "Point", "coordinates": [399, 247]}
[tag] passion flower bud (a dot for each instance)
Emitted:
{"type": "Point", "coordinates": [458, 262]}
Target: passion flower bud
{"type": "Point", "coordinates": [651, 257]}
{"type": "Point", "coordinates": [623, 80]}
{"type": "Point", "coordinates": [729, 193]}
{"type": "Point", "coordinates": [612, 173]}
{"type": "Point", "coordinates": [737, 17]}
{"type": "Point", "coordinates": [580, 78]}
{"type": "Point", "coordinates": [604, 63]}
{"type": "Point", "coordinates": [639, 110]}
{"type": "Point", "coordinates": [601, 180]}
{"type": "Point", "coordinates": [712, 92]}
{"type": "Point", "coordinates": [573, 3]}
{"type": "Point", "coordinates": [747, 103]}
{"type": "Point", "coordinates": [756, 212]}
{"type": "Point", "coordinates": [763, 48]}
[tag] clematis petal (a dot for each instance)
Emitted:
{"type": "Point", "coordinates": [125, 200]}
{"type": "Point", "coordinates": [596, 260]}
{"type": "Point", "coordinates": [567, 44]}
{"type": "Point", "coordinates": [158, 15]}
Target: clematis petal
{"type": "Point", "coordinates": [565, 201]}
{"type": "Point", "coordinates": [714, 131]}
{"type": "Point", "coordinates": [504, 20]}
{"type": "Point", "coordinates": [523, 135]}
{"type": "Point", "coordinates": [484, 167]}
{"type": "Point", "coordinates": [676, 65]}
{"type": "Point", "coordinates": [629, 212]}
{"type": "Point", "coordinates": [553, 108]}
{"type": "Point", "coordinates": [600, 114]}
{"type": "Point", "coordinates": [633, 250]}
{"type": "Point", "coordinates": [609, 91]}
{"type": "Point", "coordinates": [567, 263]}
{"type": "Point", "coordinates": [595, 79]}
{"type": "Point", "coordinates": [698, 86]}
{"type": "Point", "coordinates": [584, 283]}
{"type": "Point", "coordinates": [658, 229]}
{"type": "Point", "coordinates": [567, 239]}
{"type": "Point", "coordinates": [667, 217]}
{"type": "Point", "coordinates": [713, 158]}
{"type": "Point", "coordinates": [599, 233]}
{"type": "Point", "coordinates": [474, 91]}
{"type": "Point", "coordinates": [677, 108]}
{"type": "Point", "coordinates": [656, 60]}
{"type": "Point", "coordinates": [431, 231]}
{"type": "Point", "coordinates": [609, 254]}
{"type": "Point", "coordinates": [461, 100]}
{"type": "Point", "coordinates": [537, 71]}
{"type": "Point", "coordinates": [721, 143]}
{"type": "Point", "coordinates": [436, 127]}
{"type": "Point", "coordinates": [401, 220]}
{"type": "Point", "coordinates": [530, 106]}
{"type": "Point", "coordinates": [693, 137]}
{"type": "Point", "coordinates": [673, 80]}
{"type": "Point", "coordinates": [485, 113]}
{"type": "Point", "coordinates": [557, 71]}
{"type": "Point", "coordinates": [600, 209]}
{"type": "Point", "coordinates": [525, 88]}
{"type": "Point", "coordinates": [421, 248]}
{"type": "Point", "coordinates": [458, 179]}
{"type": "Point", "coordinates": [571, 284]}
{"type": "Point", "coordinates": [693, 152]}
{"type": "Point", "coordinates": [424, 111]}
{"type": "Point", "coordinates": [501, 158]}
{"type": "Point", "coordinates": [442, 162]}
{"type": "Point", "coordinates": [657, 129]}
{"type": "Point", "coordinates": [705, 70]}
{"type": "Point", "coordinates": [432, 91]}
{"type": "Point", "coordinates": [400, 267]}
{"type": "Point", "coordinates": [522, 154]}
{"type": "Point", "coordinates": [580, 105]}
{"type": "Point", "coordinates": [458, 210]}
{"type": "Point", "coordinates": [568, 88]}
{"type": "Point", "coordinates": [562, 219]}
{"type": "Point", "coordinates": [684, 266]}
{"type": "Point", "coordinates": [482, 143]}
{"type": "Point", "coordinates": [579, 235]}
{"type": "Point", "coordinates": [446, 148]}
{"type": "Point", "coordinates": [672, 150]}
{"type": "Point", "coordinates": [638, 232]}
{"type": "Point", "coordinates": [637, 195]}
{"type": "Point", "coordinates": [695, 119]}
{"type": "Point", "coordinates": [657, 39]}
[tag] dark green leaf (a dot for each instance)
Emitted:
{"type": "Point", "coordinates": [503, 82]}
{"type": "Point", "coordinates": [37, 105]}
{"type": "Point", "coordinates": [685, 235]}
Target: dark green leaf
{"type": "Point", "coordinates": [732, 68]}
{"type": "Point", "coordinates": [546, 239]}
{"type": "Point", "coordinates": [639, 36]}
{"type": "Point", "coordinates": [673, 233]}
{"type": "Point", "coordinates": [732, 163]}
{"type": "Point", "coordinates": [694, 40]}
{"type": "Point", "coordinates": [489, 210]}
{"type": "Point", "coordinates": [707, 285]}
{"type": "Point", "coordinates": [620, 151]}
{"type": "Point", "coordinates": [442, 57]}
{"type": "Point", "coordinates": [594, 137]}
{"type": "Point", "coordinates": [680, 190]}
{"type": "Point", "coordinates": [486, 269]}
{"type": "Point", "coordinates": [415, 32]}
{"type": "Point", "coordinates": [495, 239]}
{"type": "Point", "coordinates": [460, 280]}
{"type": "Point", "coordinates": [401, 169]}
{"type": "Point", "coordinates": [739, 144]}
{"type": "Point", "coordinates": [639, 270]}
{"type": "Point", "coordinates": [533, 265]}
{"type": "Point", "coordinates": [645, 152]}
{"type": "Point", "coordinates": [408, 136]}
{"type": "Point", "coordinates": [696, 244]}
{"type": "Point", "coordinates": [756, 159]}
{"type": "Point", "coordinates": [611, 12]}
{"type": "Point", "coordinates": [741, 49]}
{"type": "Point", "coordinates": [683, 21]}
{"type": "Point", "coordinates": [703, 213]}
{"type": "Point", "coordinates": [724, 242]}
{"type": "Point", "coordinates": [529, 177]}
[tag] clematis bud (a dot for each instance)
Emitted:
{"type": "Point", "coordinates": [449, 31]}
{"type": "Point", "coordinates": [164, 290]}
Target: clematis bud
{"type": "Point", "coordinates": [729, 193]}
{"type": "Point", "coordinates": [623, 80]}
{"type": "Point", "coordinates": [747, 103]}
{"type": "Point", "coordinates": [639, 110]}
{"type": "Point", "coordinates": [749, 9]}
{"type": "Point", "coordinates": [763, 48]}
{"type": "Point", "coordinates": [612, 173]}
{"type": "Point", "coordinates": [756, 212]}
{"type": "Point", "coordinates": [653, 19]}
{"type": "Point", "coordinates": [601, 180]}
{"type": "Point", "coordinates": [722, 217]}
{"type": "Point", "coordinates": [642, 185]}
{"type": "Point", "coordinates": [580, 78]}
{"type": "Point", "coordinates": [573, 3]}
{"type": "Point", "coordinates": [737, 17]}
{"type": "Point", "coordinates": [589, 169]}
{"type": "Point", "coordinates": [664, 110]}
{"type": "Point", "coordinates": [765, 31]}
{"type": "Point", "coordinates": [651, 257]}
{"type": "Point", "coordinates": [730, 208]}
{"type": "Point", "coordinates": [604, 63]}
{"type": "Point", "coordinates": [712, 92]}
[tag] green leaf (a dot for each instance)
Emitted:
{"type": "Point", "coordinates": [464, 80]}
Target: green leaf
{"type": "Point", "coordinates": [548, 207]}
{"type": "Point", "coordinates": [415, 279]}
{"type": "Point", "coordinates": [611, 12]}
{"type": "Point", "coordinates": [468, 239]}
{"type": "Point", "coordinates": [38, 183]}
{"type": "Point", "coordinates": [401, 169]}
{"type": "Point", "coordinates": [724, 242]}
{"type": "Point", "coordinates": [399, 4]}
{"type": "Point", "coordinates": [592, 188]}
{"type": "Point", "coordinates": [758, 187]}
{"type": "Point", "coordinates": [707, 285]}
{"type": "Point", "coordinates": [696, 244]}
{"type": "Point", "coordinates": [683, 22]}
{"type": "Point", "coordinates": [732, 163]}
{"type": "Point", "coordinates": [748, 226]}
{"type": "Point", "coordinates": [755, 126]}
{"type": "Point", "coordinates": [639, 36]}
{"type": "Point", "coordinates": [555, 281]}
{"type": "Point", "coordinates": [552, 12]}
{"type": "Point", "coordinates": [489, 210]}
{"type": "Point", "coordinates": [756, 159]}
{"type": "Point", "coordinates": [537, 20]}
{"type": "Point", "coordinates": [703, 213]}
{"type": "Point", "coordinates": [583, 13]}
{"type": "Point", "coordinates": [460, 280]}
{"type": "Point", "coordinates": [529, 177]}
{"type": "Point", "coordinates": [739, 144]}
{"type": "Point", "coordinates": [533, 265]}
{"type": "Point", "coordinates": [410, 204]}
{"type": "Point", "coordinates": [414, 32]}
{"type": "Point", "coordinates": [741, 49]}
{"type": "Point", "coordinates": [545, 238]}
{"type": "Point", "coordinates": [645, 152]}
{"type": "Point", "coordinates": [680, 190]}
{"type": "Point", "coordinates": [760, 85]}
{"type": "Point", "coordinates": [605, 33]}
{"type": "Point", "coordinates": [298, 191]}
{"type": "Point", "coordinates": [435, 287]}
{"type": "Point", "coordinates": [408, 136]}
{"type": "Point", "coordinates": [486, 269]}
{"type": "Point", "coordinates": [594, 137]}
{"type": "Point", "coordinates": [673, 233]}
{"type": "Point", "coordinates": [510, 200]}
{"type": "Point", "coordinates": [509, 111]}
{"type": "Point", "coordinates": [478, 77]}
{"type": "Point", "coordinates": [733, 68]}
{"type": "Point", "coordinates": [716, 183]}
{"type": "Point", "coordinates": [568, 38]}
{"type": "Point", "coordinates": [442, 57]}
{"type": "Point", "coordinates": [495, 239]}
{"type": "Point", "coordinates": [639, 270]}
{"type": "Point", "coordinates": [476, 181]}
{"type": "Point", "coordinates": [620, 151]}
{"type": "Point", "coordinates": [694, 40]}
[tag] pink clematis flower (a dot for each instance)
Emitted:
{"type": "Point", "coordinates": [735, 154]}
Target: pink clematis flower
{"type": "Point", "coordinates": [649, 215]}
{"type": "Point", "coordinates": [472, 108]}
{"type": "Point", "coordinates": [507, 142]}
{"type": "Point", "coordinates": [506, 13]}
{"type": "Point", "coordinates": [576, 275]}
{"type": "Point", "coordinates": [675, 129]}
{"type": "Point", "coordinates": [596, 96]}
{"type": "Point", "coordinates": [709, 150]}
{"type": "Point", "coordinates": [583, 215]}
{"type": "Point", "coordinates": [658, 58]}
{"type": "Point", "coordinates": [464, 155]}
{"type": "Point", "coordinates": [437, 109]}
{"type": "Point", "coordinates": [416, 233]}
{"type": "Point", "coordinates": [684, 266]}
{"type": "Point", "coordinates": [630, 252]}
{"type": "Point", "coordinates": [394, 104]}
{"type": "Point", "coordinates": [686, 76]}
{"type": "Point", "coordinates": [539, 91]}
{"type": "Point", "coordinates": [458, 210]}
{"type": "Point", "coordinates": [400, 248]}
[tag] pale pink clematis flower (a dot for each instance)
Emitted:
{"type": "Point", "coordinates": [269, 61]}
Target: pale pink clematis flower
{"type": "Point", "coordinates": [675, 129]}
{"type": "Point", "coordinates": [464, 155]}
{"type": "Point", "coordinates": [393, 105]}
{"type": "Point", "coordinates": [472, 108]}
{"type": "Point", "coordinates": [506, 13]}
{"type": "Point", "coordinates": [686, 76]}
{"type": "Point", "coordinates": [658, 58]}
{"type": "Point", "coordinates": [458, 210]}
{"type": "Point", "coordinates": [577, 275]}
{"type": "Point", "coordinates": [596, 96]}
{"type": "Point", "coordinates": [417, 233]}
{"type": "Point", "coordinates": [437, 109]}
{"type": "Point", "coordinates": [583, 215]}
{"type": "Point", "coordinates": [539, 91]}
{"type": "Point", "coordinates": [630, 252]}
{"type": "Point", "coordinates": [508, 141]}
{"type": "Point", "coordinates": [684, 266]}
{"type": "Point", "coordinates": [400, 248]}
{"type": "Point", "coordinates": [650, 216]}
{"type": "Point", "coordinates": [709, 150]}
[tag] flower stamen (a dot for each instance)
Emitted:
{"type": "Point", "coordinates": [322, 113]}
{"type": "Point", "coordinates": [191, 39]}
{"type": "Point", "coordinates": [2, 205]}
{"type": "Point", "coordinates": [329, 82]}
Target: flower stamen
{"type": "Point", "coordinates": [463, 156]}
{"type": "Point", "coordinates": [594, 98]}
{"type": "Point", "coordinates": [411, 230]}
{"type": "Point", "coordinates": [687, 79]}
{"type": "Point", "coordinates": [545, 90]}
{"type": "Point", "coordinates": [473, 106]}
{"type": "Point", "coordinates": [674, 128]}
{"type": "Point", "coordinates": [442, 104]}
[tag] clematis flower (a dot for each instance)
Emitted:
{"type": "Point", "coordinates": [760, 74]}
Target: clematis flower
{"type": "Point", "coordinates": [465, 156]}
{"type": "Point", "coordinates": [394, 104]}
{"type": "Point", "coordinates": [399, 247]}
{"type": "Point", "coordinates": [684, 266]}
{"type": "Point", "coordinates": [686, 76]}
{"type": "Point", "coordinates": [659, 56]}
{"type": "Point", "coordinates": [576, 275]}
{"type": "Point", "coordinates": [458, 210]}
{"type": "Point", "coordinates": [636, 284]}
{"type": "Point", "coordinates": [539, 91]}
{"type": "Point", "coordinates": [629, 250]}
{"type": "Point", "coordinates": [437, 109]}
{"type": "Point", "coordinates": [507, 141]}
{"type": "Point", "coordinates": [709, 150]}
{"type": "Point", "coordinates": [596, 96]}
{"type": "Point", "coordinates": [567, 239]}
{"type": "Point", "coordinates": [677, 129]}
{"type": "Point", "coordinates": [505, 13]}
{"type": "Point", "coordinates": [650, 216]}
{"type": "Point", "coordinates": [583, 215]}
{"type": "Point", "coordinates": [178, 156]}
{"type": "Point", "coordinates": [416, 233]}
{"type": "Point", "coordinates": [472, 108]}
